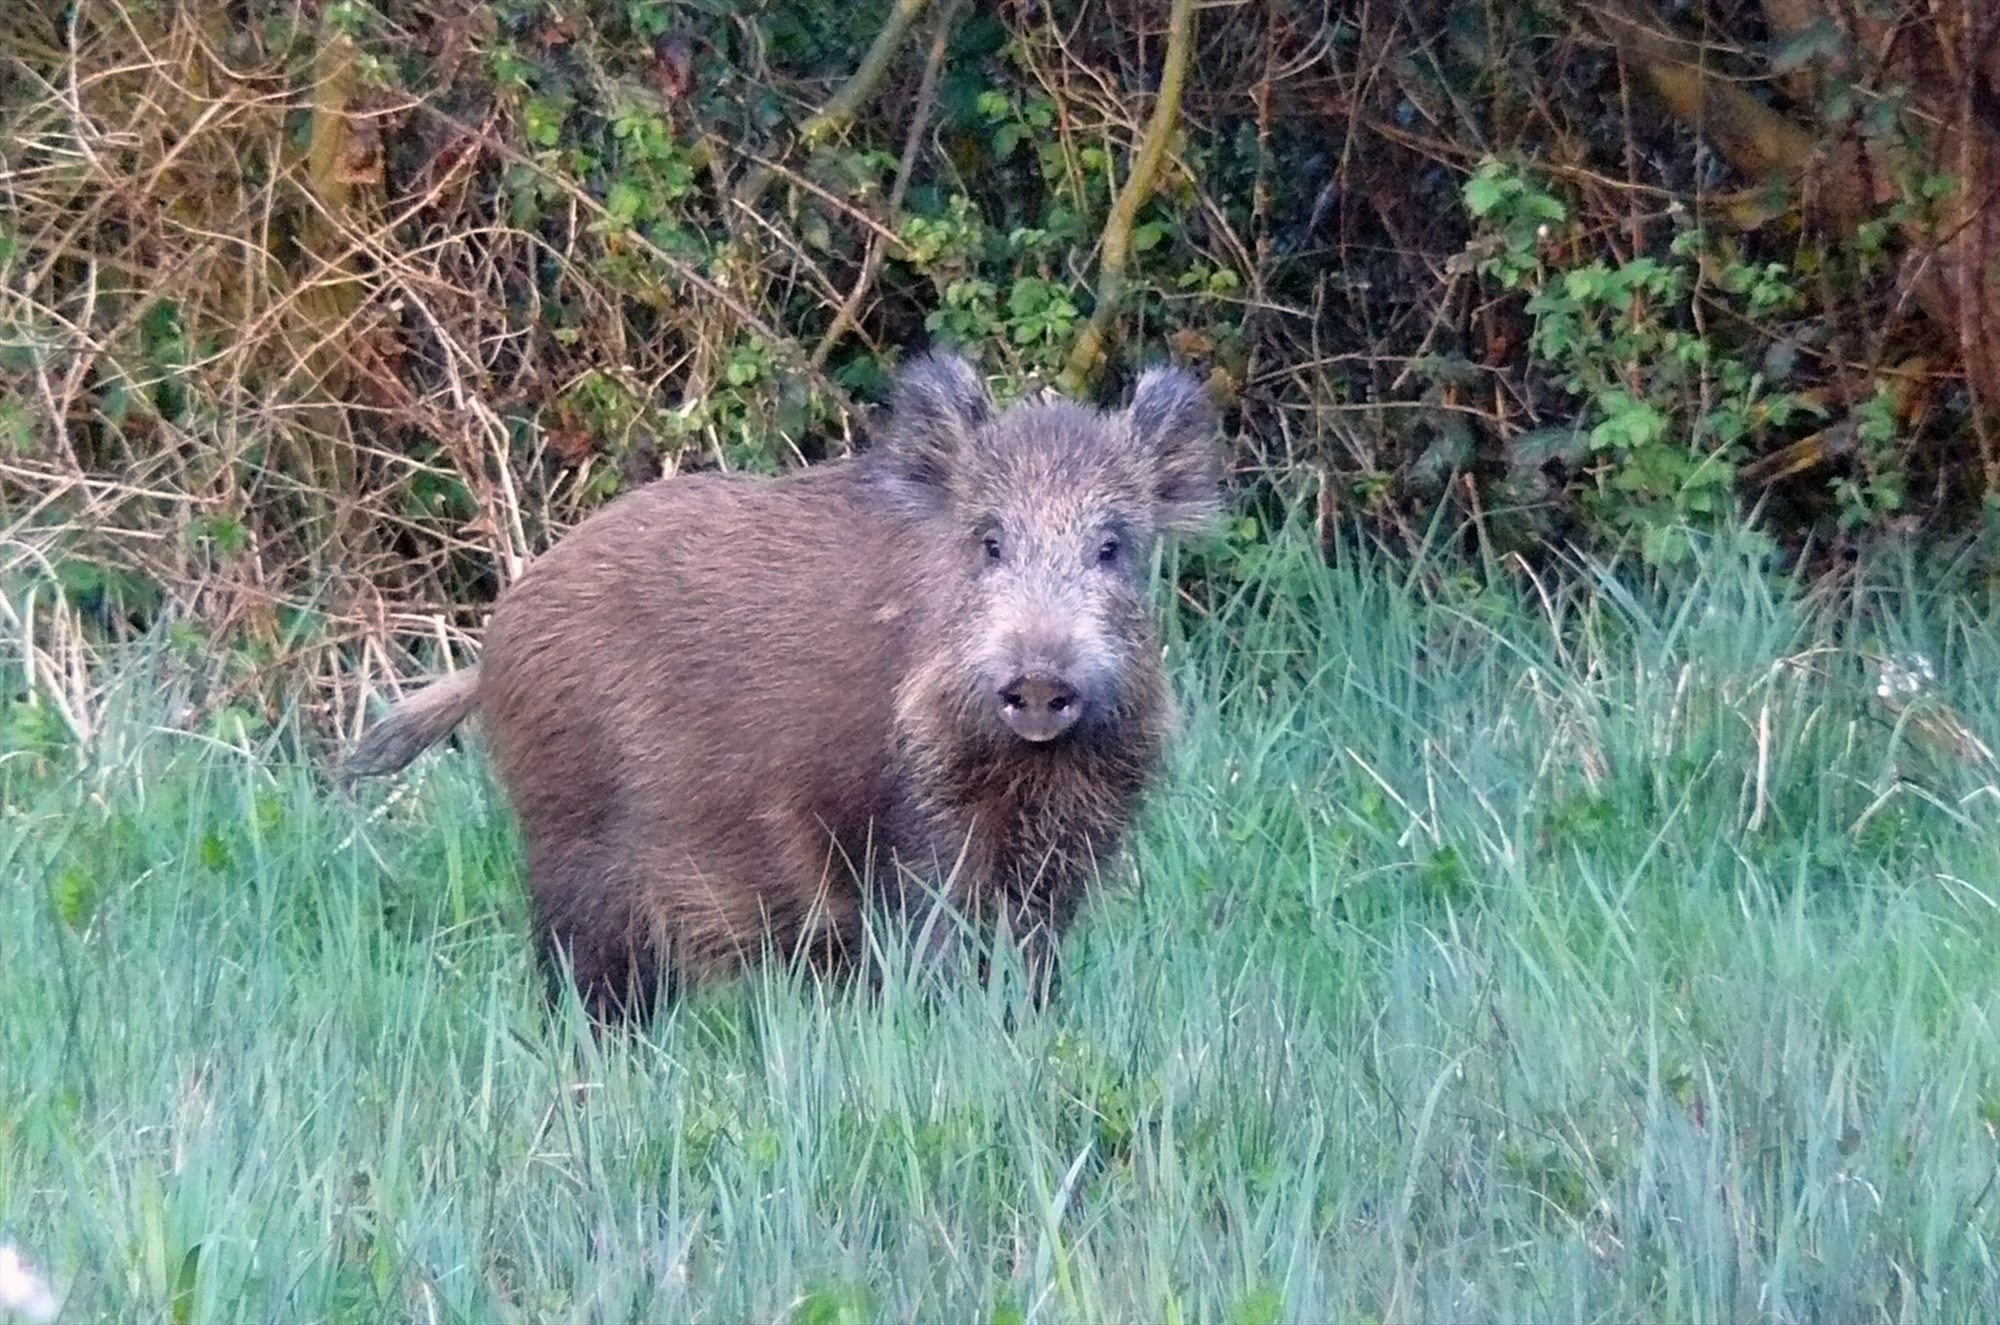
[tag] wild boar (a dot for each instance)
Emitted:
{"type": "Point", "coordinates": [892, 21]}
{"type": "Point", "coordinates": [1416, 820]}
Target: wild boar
{"type": "Point", "coordinates": [725, 707]}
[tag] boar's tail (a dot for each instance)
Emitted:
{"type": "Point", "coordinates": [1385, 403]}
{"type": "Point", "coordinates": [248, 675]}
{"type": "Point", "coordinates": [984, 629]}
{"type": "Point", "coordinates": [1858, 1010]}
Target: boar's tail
{"type": "Point", "coordinates": [413, 726]}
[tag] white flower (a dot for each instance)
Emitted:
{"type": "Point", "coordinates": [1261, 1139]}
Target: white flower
{"type": "Point", "coordinates": [23, 1294]}
{"type": "Point", "coordinates": [1903, 676]}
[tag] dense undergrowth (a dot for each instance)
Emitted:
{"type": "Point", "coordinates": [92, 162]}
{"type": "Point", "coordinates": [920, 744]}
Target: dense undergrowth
{"type": "Point", "coordinates": [1561, 950]}
{"type": "Point", "coordinates": [316, 321]}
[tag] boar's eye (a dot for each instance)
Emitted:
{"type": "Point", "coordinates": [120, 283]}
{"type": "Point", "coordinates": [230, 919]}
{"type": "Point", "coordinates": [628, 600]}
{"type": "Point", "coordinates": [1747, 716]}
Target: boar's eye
{"type": "Point", "coordinates": [991, 543]}
{"type": "Point", "coordinates": [1108, 550]}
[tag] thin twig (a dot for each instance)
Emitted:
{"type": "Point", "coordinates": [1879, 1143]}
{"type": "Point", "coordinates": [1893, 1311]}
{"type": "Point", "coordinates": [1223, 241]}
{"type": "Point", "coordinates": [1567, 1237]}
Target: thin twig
{"type": "Point", "coordinates": [581, 198]}
{"type": "Point", "coordinates": [912, 143]}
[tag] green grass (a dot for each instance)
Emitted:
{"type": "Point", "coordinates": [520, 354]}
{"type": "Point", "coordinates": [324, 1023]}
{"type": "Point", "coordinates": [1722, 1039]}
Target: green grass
{"type": "Point", "coordinates": [1478, 974]}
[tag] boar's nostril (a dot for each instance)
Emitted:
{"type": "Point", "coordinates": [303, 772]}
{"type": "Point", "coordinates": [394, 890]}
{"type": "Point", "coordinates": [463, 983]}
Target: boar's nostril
{"type": "Point", "coordinates": [1039, 707]}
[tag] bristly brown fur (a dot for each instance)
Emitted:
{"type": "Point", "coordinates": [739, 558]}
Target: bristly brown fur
{"type": "Point", "coordinates": [1029, 829]}
{"type": "Point", "coordinates": [722, 703]}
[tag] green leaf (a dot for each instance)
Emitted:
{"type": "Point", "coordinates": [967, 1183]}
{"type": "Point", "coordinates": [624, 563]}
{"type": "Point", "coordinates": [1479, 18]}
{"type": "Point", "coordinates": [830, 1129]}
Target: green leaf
{"type": "Point", "coordinates": [1263, 1305]}
{"type": "Point", "coordinates": [73, 894]}
{"type": "Point", "coordinates": [624, 201]}
{"type": "Point", "coordinates": [226, 535]}
{"type": "Point", "coordinates": [1586, 284]}
{"type": "Point", "coordinates": [1028, 296]}
{"type": "Point", "coordinates": [17, 426]}
{"type": "Point", "coordinates": [834, 1304]}
{"type": "Point", "coordinates": [181, 1308]}
{"type": "Point", "coordinates": [1665, 545]}
{"type": "Point", "coordinates": [1483, 193]}
{"type": "Point", "coordinates": [215, 853]}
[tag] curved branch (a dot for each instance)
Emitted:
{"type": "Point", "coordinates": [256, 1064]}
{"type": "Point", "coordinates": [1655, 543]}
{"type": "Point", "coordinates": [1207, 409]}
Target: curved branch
{"type": "Point", "coordinates": [1086, 357]}
{"type": "Point", "coordinates": [842, 105]}
{"type": "Point", "coordinates": [840, 108]}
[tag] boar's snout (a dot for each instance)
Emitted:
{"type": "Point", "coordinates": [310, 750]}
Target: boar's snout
{"type": "Point", "coordinates": [1039, 706]}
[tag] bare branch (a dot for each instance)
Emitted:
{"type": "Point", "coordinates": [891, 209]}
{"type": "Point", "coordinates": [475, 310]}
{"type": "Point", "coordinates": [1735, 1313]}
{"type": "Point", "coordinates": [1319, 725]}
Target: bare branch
{"type": "Point", "coordinates": [912, 142]}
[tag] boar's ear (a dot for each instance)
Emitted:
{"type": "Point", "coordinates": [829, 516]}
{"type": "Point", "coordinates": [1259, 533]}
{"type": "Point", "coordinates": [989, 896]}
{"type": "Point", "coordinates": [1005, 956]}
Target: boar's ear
{"type": "Point", "coordinates": [1173, 422]}
{"type": "Point", "coordinates": [939, 402]}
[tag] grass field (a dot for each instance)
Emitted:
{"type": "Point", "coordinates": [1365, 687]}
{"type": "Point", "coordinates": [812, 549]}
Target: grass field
{"type": "Point", "coordinates": [1590, 954]}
